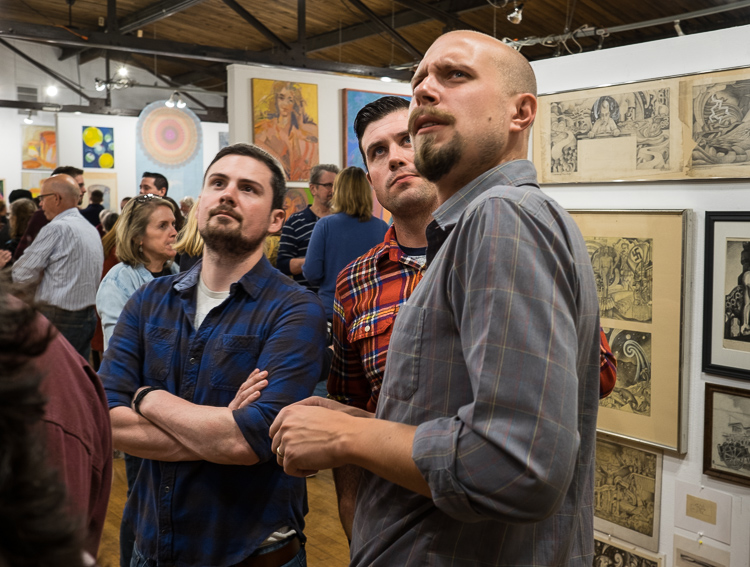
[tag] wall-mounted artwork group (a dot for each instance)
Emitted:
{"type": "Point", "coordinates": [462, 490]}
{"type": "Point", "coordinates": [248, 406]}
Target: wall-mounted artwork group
{"type": "Point", "coordinates": [678, 128]}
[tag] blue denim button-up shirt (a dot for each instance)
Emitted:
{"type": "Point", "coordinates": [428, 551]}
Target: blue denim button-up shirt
{"type": "Point", "coordinates": [198, 513]}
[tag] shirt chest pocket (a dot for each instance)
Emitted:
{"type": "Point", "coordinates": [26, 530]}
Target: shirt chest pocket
{"type": "Point", "coordinates": [372, 324]}
{"type": "Point", "coordinates": [404, 352]}
{"type": "Point", "coordinates": [161, 343]}
{"type": "Point", "coordinates": [234, 358]}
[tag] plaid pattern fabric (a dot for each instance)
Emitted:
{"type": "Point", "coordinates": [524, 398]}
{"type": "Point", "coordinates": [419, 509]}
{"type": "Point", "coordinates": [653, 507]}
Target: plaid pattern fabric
{"type": "Point", "coordinates": [369, 293]}
{"type": "Point", "coordinates": [495, 359]}
{"type": "Point", "coordinates": [197, 513]}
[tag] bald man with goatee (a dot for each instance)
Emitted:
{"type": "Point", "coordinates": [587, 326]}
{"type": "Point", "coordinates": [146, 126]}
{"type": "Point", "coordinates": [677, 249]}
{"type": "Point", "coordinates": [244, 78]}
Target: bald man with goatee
{"type": "Point", "coordinates": [481, 450]}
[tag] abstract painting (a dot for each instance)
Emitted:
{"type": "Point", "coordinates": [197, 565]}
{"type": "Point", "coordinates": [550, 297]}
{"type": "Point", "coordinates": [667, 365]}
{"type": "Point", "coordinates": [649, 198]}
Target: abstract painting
{"type": "Point", "coordinates": [38, 147]}
{"type": "Point", "coordinates": [98, 147]}
{"type": "Point", "coordinates": [32, 180]}
{"type": "Point", "coordinates": [170, 141]}
{"type": "Point", "coordinates": [296, 200]}
{"type": "Point", "coordinates": [627, 493]}
{"type": "Point", "coordinates": [609, 552]}
{"type": "Point", "coordinates": [632, 391]}
{"type": "Point", "coordinates": [285, 124]}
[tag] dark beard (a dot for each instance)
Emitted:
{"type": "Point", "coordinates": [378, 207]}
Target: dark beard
{"type": "Point", "coordinates": [229, 242]}
{"type": "Point", "coordinates": [435, 163]}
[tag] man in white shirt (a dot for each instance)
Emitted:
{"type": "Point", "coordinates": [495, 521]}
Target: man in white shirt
{"type": "Point", "coordinates": [65, 260]}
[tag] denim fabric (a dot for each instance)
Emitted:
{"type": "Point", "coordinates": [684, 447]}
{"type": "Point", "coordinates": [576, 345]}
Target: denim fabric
{"type": "Point", "coordinates": [76, 326]}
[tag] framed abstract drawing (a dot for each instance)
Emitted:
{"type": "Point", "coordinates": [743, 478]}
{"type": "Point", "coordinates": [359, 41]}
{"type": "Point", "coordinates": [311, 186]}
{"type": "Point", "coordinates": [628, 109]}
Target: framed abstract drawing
{"type": "Point", "coordinates": [726, 299]}
{"type": "Point", "coordinates": [726, 434]}
{"type": "Point", "coordinates": [627, 492]}
{"type": "Point", "coordinates": [640, 261]}
{"type": "Point", "coordinates": [610, 551]}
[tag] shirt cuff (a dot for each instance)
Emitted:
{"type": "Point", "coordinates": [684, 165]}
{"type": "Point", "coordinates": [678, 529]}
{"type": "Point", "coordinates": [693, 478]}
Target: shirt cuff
{"type": "Point", "coordinates": [254, 429]}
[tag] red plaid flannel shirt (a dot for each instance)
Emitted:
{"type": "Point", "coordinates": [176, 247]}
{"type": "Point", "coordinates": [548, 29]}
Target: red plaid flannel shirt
{"type": "Point", "coordinates": [369, 293]}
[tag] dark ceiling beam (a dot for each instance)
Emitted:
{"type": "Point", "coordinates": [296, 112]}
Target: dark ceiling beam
{"type": "Point", "coordinates": [375, 19]}
{"type": "Point", "coordinates": [217, 71]}
{"type": "Point", "coordinates": [132, 22]}
{"type": "Point", "coordinates": [112, 25]}
{"type": "Point", "coordinates": [257, 24]}
{"type": "Point", "coordinates": [429, 10]}
{"type": "Point", "coordinates": [54, 74]}
{"type": "Point", "coordinates": [54, 35]}
{"type": "Point", "coordinates": [302, 24]}
{"type": "Point", "coordinates": [400, 19]}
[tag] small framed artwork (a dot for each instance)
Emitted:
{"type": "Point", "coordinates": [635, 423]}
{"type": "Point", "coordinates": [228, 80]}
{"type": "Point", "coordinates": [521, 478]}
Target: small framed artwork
{"type": "Point", "coordinates": [691, 553]}
{"type": "Point", "coordinates": [726, 434]}
{"type": "Point", "coordinates": [610, 551]}
{"type": "Point", "coordinates": [640, 261]}
{"type": "Point", "coordinates": [627, 492]}
{"type": "Point", "coordinates": [726, 300]}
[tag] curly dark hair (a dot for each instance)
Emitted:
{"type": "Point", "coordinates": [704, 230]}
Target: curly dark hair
{"type": "Point", "coordinates": [36, 526]}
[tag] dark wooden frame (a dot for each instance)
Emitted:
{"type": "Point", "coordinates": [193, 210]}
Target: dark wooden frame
{"type": "Point", "coordinates": [711, 389]}
{"type": "Point", "coordinates": [708, 365]}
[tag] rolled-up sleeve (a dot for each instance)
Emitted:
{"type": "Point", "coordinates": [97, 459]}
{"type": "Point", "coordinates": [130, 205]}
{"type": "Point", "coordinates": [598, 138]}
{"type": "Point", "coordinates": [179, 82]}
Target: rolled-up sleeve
{"type": "Point", "coordinates": [293, 356]}
{"type": "Point", "coordinates": [510, 454]}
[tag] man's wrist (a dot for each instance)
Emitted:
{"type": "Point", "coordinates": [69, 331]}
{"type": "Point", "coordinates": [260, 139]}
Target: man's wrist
{"type": "Point", "coordinates": [139, 397]}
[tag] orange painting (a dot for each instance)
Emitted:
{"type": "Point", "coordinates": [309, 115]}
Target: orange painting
{"type": "Point", "coordinates": [39, 149]}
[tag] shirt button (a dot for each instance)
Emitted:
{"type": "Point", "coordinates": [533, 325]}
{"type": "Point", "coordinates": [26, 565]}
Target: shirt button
{"type": "Point", "coordinates": [166, 489]}
{"type": "Point", "coordinates": [193, 360]}
{"type": "Point", "coordinates": [367, 328]}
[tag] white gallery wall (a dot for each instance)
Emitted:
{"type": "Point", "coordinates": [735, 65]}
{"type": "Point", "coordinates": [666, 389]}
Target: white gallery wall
{"type": "Point", "coordinates": [679, 55]}
{"type": "Point", "coordinates": [330, 104]}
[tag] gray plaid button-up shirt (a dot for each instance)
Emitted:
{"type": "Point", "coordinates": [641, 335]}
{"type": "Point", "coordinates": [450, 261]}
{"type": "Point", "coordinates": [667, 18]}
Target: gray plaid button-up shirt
{"type": "Point", "coordinates": [495, 357]}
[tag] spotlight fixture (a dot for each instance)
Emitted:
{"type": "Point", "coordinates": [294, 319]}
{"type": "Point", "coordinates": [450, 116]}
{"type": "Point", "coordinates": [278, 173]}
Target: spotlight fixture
{"type": "Point", "coordinates": [28, 119]}
{"type": "Point", "coordinates": [51, 90]}
{"type": "Point", "coordinates": [170, 103]}
{"type": "Point", "coordinates": [123, 71]}
{"type": "Point", "coordinates": [100, 85]}
{"type": "Point", "coordinates": [181, 103]}
{"type": "Point", "coordinates": [175, 100]}
{"type": "Point", "coordinates": [386, 79]}
{"type": "Point", "coordinates": [516, 15]}
{"type": "Point", "coordinates": [118, 81]}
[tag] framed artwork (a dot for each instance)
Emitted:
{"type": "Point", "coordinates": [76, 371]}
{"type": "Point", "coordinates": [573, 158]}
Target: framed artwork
{"type": "Point", "coordinates": [672, 128]}
{"type": "Point", "coordinates": [38, 147]}
{"type": "Point", "coordinates": [285, 124]}
{"type": "Point", "coordinates": [726, 434]}
{"type": "Point", "coordinates": [104, 181]}
{"type": "Point", "coordinates": [2, 188]}
{"type": "Point", "coordinates": [640, 261]}
{"type": "Point", "coordinates": [702, 510]}
{"type": "Point", "coordinates": [295, 200]}
{"type": "Point", "coordinates": [627, 493]}
{"type": "Point", "coordinates": [691, 553]}
{"type": "Point", "coordinates": [610, 551]}
{"type": "Point", "coordinates": [726, 303]}
{"type": "Point", "coordinates": [98, 147]}
{"type": "Point", "coordinates": [32, 180]}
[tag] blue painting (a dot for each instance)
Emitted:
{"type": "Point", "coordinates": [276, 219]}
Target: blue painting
{"type": "Point", "coordinates": [98, 147]}
{"type": "Point", "coordinates": [353, 103]}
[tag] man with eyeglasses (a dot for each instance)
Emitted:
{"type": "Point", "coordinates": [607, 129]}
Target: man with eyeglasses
{"type": "Point", "coordinates": [39, 220]}
{"type": "Point", "coordinates": [66, 259]}
{"type": "Point", "coordinates": [296, 232]}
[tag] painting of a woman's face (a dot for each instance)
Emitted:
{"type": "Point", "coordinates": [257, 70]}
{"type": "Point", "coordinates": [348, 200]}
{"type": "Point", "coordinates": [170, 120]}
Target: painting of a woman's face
{"type": "Point", "coordinates": [285, 102]}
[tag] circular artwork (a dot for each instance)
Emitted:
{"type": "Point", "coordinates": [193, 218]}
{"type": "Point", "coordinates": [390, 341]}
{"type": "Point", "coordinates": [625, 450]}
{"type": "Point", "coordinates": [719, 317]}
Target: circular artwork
{"type": "Point", "coordinates": [169, 136]}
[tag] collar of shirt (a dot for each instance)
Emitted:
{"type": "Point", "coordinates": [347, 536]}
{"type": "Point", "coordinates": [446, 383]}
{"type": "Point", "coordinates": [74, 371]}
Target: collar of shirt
{"type": "Point", "coordinates": [393, 250]}
{"type": "Point", "coordinates": [516, 173]}
{"type": "Point", "coordinates": [73, 211]}
{"type": "Point", "coordinates": [252, 282]}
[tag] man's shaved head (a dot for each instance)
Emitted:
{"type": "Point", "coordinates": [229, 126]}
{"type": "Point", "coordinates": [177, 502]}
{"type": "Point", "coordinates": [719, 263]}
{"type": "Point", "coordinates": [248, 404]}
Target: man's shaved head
{"type": "Point", "coordinates": [64, 185]}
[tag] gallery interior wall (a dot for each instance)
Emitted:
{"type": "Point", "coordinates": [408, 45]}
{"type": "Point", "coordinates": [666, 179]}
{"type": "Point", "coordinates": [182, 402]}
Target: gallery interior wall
{"type": "Point", "coordinates": [330, 105]}
{"type": "Point", "coordinates": [15, 71]}
{"type": "Point", "coordinates": [679, 55]}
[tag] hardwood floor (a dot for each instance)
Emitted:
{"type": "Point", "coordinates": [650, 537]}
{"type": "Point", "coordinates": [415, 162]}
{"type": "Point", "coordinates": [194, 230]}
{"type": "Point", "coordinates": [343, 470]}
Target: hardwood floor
{"type": "Point", "coordinates": [326, 542]}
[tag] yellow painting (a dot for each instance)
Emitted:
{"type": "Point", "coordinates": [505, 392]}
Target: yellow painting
{"type": "Point", "coordinates": [285, 124]}
{"type": "Point", "coordinates": [39, 147]}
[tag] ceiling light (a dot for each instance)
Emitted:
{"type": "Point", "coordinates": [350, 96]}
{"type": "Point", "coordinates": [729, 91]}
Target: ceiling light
{"type": "Point", "coordinates": [516, 15]}
{"type": "Point", "coordinates": [100, 85]}
{"type": "Point", "coordinates": [28, 119]}
{"type": "Point", "coordinates": [170, 103]}
{"type": "Point", "coordinates": [181, 103]}
{"type": "Point", "coordinates": [51, 90]}
{"type": "Point", "coordinates": [386, 79]}
{"type": "Point", "coordinates": [123, 71]}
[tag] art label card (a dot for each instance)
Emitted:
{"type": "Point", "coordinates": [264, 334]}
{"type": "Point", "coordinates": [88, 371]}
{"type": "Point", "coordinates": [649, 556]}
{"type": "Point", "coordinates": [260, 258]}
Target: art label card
{"type": "Point", "coordinates": [703, 510]}
{"type": "Point", "coordinates": [691, 553]}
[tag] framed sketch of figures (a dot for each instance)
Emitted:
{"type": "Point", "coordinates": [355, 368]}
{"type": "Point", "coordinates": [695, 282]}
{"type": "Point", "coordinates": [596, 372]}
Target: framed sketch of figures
{"type": "Point", "coordinates": [610, 551]}
{"type": "Point", "coordinates": [627, 492]}
{"type": "Point", "coordinates": [640, 260]}
{"type": "Point", "coordinates": [726, 441]}
{"type": "Point", "coordinates": [726, 300]}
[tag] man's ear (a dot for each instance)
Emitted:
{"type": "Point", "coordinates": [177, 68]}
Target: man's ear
{"type": "Point", "coordinates": [523, 117]}
{"type": "Point", "coordinates": [277, 220]}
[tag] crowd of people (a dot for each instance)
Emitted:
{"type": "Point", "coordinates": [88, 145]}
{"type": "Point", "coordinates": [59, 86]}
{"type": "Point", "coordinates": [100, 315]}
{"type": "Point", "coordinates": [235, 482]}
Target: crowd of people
{"type": "Point", "coordinates": [456, 354]}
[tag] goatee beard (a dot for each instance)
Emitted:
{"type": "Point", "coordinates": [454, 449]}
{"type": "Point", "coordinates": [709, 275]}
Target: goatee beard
{"type": "Point", "coordinates": [230, 242]}
{"type": "Point", "coordinates": [434, 163]}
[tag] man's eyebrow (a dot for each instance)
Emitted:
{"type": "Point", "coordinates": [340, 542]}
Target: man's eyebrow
{"type": "Point", "coordinates": [382, 141]}
{"type": "Point", "coordinates": [241, 181]}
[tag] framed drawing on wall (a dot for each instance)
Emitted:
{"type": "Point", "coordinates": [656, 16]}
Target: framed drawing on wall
{"type": "Point", "coordinates": [627, 492]}
{"type": "Point", "coordinates": [610, 551]}
{"type": "Point", "coordinates": [726, 434]}
{"type": "Point", "coordinates": [726, 300]}
{"type": "Point", "coordinates": [640, 261]}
